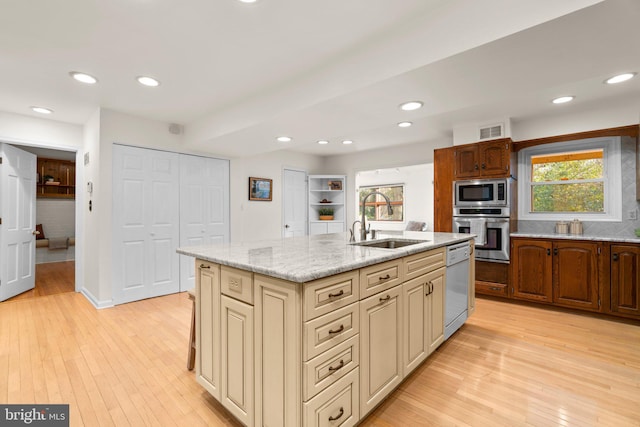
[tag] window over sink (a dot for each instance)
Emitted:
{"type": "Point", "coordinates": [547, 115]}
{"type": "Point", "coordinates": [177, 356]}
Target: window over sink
{"type": "Point", "coordinates": [567, 180]}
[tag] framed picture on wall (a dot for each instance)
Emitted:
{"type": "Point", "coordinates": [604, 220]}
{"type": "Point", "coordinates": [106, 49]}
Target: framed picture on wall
{"type": "Point", "coordinates": [260, 189]}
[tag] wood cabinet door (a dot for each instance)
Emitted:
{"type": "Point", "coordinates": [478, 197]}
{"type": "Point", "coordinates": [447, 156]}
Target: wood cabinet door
{"type": "Point", "coordinates": [494, 158]}
{"type": "Point", "coordinates": [625, 279]}
{"type": "Point", "coordinates": [443, 173]}
{"type": "Point", "coordinates": [381, 347]}
{"type": "Point", "coordinates": [208, 326]}
{"type": "Point", "coordinates": [466, 160]}
{"type": "Point", "coordinates": [531, 269]}
{"type": "Point", "coordinates": [436, 308]}
{"type": "Point", "coordinates": [575, 274]}
{"type": "Point", "coordinates": [416, 323]}
{"type": "Point", "coordinates": [237, 358]}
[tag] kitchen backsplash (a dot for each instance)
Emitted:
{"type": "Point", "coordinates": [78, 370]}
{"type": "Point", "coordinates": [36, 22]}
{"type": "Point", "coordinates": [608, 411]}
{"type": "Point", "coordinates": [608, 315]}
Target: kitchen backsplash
{"type": "Point", "coordinates": [629, 203]}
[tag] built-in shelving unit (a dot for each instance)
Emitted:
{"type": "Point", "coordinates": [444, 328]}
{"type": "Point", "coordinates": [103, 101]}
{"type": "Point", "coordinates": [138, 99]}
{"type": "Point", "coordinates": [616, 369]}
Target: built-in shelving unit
{"type": "Point", "coordinates": [327, 191]}
{"type": "Point", "coordinates": [56, 179]}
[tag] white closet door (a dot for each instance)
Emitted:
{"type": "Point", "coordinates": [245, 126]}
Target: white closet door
{"type": "Point", "coordinates": [294, 196]}
{"type": "Point", "coordinates": [145, 223]}
{"type": "Point", "coordinates": [204, 208]}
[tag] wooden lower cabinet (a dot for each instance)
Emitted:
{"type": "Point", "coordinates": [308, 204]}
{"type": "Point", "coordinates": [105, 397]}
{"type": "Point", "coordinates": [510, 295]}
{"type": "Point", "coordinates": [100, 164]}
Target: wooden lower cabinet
{"type": "Point", "coordinates": [531, 265]}
{"type": "Point", "coordinates": [625, 280]}
{"type": "Point", "coordinates": [561, 272]}
{"type": "Point", "coordinates": [380, 347]}
{"type": "Point", "coordinates": [576, 274]}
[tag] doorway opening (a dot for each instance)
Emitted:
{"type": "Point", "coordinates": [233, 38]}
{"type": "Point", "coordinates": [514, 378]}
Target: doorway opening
{"type": "Point", "coordinates": [55, 223]}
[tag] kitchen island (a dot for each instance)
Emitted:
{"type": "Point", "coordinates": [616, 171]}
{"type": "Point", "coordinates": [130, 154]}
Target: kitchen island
{"type": "Point", "coordinates": [315, 330]}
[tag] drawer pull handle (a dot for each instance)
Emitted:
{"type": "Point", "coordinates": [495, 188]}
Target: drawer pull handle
{"type": "Point", "coordinates": [205, 266]}
{"type": "Point", "coordinates": [340, 366]}
{"type": "Point", "coordinates": [385, 299]}
{"type": "Point", "coordinates": [494, 288]}
{"type": "Point", "coordinates": [337, 331]}
{"type": "Point", "coordinates": [337, 416]}
{"type": "Point", "coordinates": [339, 294]}
{"type": "Point", "coordinates": [387, 277]}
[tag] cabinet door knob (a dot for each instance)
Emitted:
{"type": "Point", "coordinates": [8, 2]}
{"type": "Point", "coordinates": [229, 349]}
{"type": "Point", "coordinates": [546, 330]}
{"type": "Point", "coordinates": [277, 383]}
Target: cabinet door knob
{"type": "Point", "coordinates": [475, 166]}
{"type": "Point", "coordinates": [615, 257]}
{"type": "Point", "coordinates": [387, 277]}
{"type": "Point", "coordinates": [286, 226]}
{"type": "Point", "coordinates": [484, 166]}
{"type": "Point", "coordinates": [385, 299]}
{"type": "Point", "coordinates": [555, 251]}
{"type": "Point", "coordinates": [337, 416]}
{"type": "Point", "coordinates": [548, 251]}
{"type": "Point", "coordinates": [337, 294]}
{"type": "Point", "coordinates": [337, 331]}
{"type": "Point", "coordinates": [337, 368]}
{"type": "Point", "coordinates": [205, 266]}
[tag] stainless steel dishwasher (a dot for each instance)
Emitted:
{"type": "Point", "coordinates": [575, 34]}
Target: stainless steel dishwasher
{"type": "Point", "coordinates": [457, 287]}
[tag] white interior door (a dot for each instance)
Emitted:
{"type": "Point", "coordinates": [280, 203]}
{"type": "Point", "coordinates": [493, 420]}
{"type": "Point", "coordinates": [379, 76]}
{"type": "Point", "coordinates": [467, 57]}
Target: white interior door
{"type": "Point", "coordinates": [145, 223]}
{"type": "Point", "coordinates": [294, 195]}
{"type": "Point", "coordinates": [18, 216]}
{"type": "Point", "coordinates": [204, 208]}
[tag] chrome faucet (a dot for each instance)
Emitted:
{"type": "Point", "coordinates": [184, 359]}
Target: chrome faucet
{"type": "Point", "coordinates": [352, 238]}
{"type": "Point", "coordinates": [363, 228]}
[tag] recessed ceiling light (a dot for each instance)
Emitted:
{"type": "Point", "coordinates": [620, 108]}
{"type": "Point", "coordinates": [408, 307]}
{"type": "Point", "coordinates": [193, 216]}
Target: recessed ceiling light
{"type": "Point", "coordinates": [620, 78]}
{"type": "Point", "coordinates": [83, 77]}
{"type": "Point", "coordinates": [347, 142]}
{"type": "Point", "coordinates": [247, 1]}
{"type": "Point", "coordinates": [148, 81]}
{"type": "Point", "coordinates": [283, 138]}
{"type": "Point", "coordinates": [404, 124]}
{"type": "Point", "coordinates": [42, 110]}
{"type": "Point", "coordinates": [323, 142]}
{"type": "Point", "coordinates": [563, 99]}
{"type": "Point", "coordinates": [411, 105]}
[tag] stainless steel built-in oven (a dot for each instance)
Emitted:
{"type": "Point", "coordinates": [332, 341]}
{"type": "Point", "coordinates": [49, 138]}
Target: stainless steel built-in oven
{"type": "Point", "coordinates": [495, 243]}
{"type": "Point", "coordinates": [483, 207]}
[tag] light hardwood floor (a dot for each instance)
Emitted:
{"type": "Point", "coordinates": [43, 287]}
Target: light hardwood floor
{"type": "Point", "coordinates": [51, 278]}
{"type": "Point", "coordinates": [510, 365]}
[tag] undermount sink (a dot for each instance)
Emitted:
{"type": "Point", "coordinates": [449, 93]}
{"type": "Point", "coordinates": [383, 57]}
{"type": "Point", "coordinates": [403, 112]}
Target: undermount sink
{"type": "Point", "coordinates": [389, 243]}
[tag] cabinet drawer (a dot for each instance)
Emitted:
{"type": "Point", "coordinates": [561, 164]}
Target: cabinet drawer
{"type": "Point", "coordinates": [324, 370]}
{"type": "Point", "coordinates": [322, 333]}
{"type": "Point", "coordinates": [379, 277]}
{"type": "Point", "coordinates": [336, 406]}
{"type": "Point", "coordinates": [237, 284]}
{"type": "Point", "coordinates": [422, 263]}
{"type": "Point", "coordinates": [490, 288]}
{"type": "Point", "coordinates": [325, 295]}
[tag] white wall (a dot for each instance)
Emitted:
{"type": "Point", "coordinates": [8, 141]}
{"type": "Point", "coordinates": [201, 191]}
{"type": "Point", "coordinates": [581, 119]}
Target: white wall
{"type": "Point", "coordinates": [253, 220]}
{"type": "Point", "coordinates": [418, 193]}
{"type": "Point", "coordinates": [57, 216]}
{"type": "Point", "coordinates": [403, 155]}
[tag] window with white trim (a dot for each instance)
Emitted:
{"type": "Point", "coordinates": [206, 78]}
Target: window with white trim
{"type": "Point", "coordinates": [567, 180]}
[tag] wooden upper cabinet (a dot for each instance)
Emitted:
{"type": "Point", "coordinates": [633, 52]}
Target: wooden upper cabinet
{"type": "Point", "coordinates": [443, 166]}
{"type": "Point", "coordinates": [531, 264]}
{"type": "Point", "coordinates": [625, 279]}
{"type": "Point", "coordinates": [576, 274]}
{"type": "Point", "coordinates": [483, 159]}
{"type": "Point", "coordinates": [56, 178]}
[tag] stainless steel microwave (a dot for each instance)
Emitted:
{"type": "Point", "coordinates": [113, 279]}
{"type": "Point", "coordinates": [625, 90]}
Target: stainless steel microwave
{"type": "Point", "coordinates": [482, 192]}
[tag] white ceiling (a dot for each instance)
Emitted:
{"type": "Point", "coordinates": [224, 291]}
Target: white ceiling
{"type": "Point", "coordinates": [237, 75]}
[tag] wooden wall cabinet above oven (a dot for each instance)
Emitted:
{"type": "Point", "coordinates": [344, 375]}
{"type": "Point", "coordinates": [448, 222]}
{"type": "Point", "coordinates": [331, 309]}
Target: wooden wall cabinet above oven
{"type": "Point", "coordinates": [483, 159]}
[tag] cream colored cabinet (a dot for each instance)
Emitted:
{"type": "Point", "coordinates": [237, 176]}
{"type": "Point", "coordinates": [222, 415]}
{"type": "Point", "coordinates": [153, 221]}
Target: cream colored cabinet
{"type": "Point", "coordinates": [237, 358]}
{"type": "Point", "coordinates": [380, 346]}
{"type": "Point", "coordinates": [435, 299]}
{"type": "Point", "coordinates": [278, 343]}
{"type": "Point", "coordinates": [472, 281]}
{"type": "Point", "coordinates": [416, 325]}
{"type": "Point", "coordinates": [335, 406]}
{"type": "Point", "coordinates": [208, 326]}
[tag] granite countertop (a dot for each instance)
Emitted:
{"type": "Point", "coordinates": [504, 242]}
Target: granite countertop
{"type": "Point", "coordinates": [303, 259]}
{"type": "Point", "coordinates": [590, 237]}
